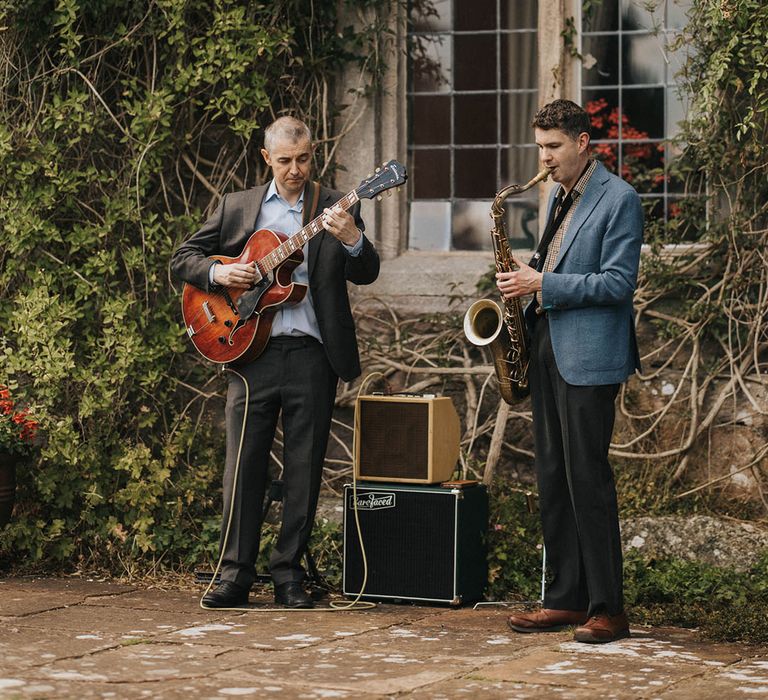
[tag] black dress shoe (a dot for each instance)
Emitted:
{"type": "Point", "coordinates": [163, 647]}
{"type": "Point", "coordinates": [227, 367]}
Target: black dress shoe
{"type": "Point", "coordinates": [292, 595]}
{"type": "Point", "coordinates": [226, 595]}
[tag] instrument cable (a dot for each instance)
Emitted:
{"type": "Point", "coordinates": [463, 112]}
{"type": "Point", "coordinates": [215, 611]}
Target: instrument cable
{"type": "Point", "coordinates": [333, 606]}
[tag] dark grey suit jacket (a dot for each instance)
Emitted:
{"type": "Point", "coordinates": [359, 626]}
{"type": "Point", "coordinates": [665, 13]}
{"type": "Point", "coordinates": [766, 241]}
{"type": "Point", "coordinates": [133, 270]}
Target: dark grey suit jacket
{"type": "Point", "coordinates": [330, 267]}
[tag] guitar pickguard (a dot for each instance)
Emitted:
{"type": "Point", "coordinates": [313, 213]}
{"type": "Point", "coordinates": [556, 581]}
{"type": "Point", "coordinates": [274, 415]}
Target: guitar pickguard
{"type": "Point", "coordinates": [249, 300]}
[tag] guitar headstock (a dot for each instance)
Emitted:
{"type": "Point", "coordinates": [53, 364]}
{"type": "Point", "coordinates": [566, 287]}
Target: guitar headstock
{"type": "Point", "coordinates": [390, 175]}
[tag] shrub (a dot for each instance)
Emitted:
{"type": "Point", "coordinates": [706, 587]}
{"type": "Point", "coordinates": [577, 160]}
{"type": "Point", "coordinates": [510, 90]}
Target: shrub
{"type": "Point", "coordinates": [121, 122]}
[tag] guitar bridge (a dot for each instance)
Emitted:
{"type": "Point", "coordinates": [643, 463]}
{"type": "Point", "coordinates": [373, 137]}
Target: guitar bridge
{"type": "Point", "coordinates": [208, 313]}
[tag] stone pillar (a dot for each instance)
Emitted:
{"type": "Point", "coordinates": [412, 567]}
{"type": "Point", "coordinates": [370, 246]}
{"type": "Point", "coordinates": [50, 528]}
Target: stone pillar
{"type": "Point", "coordinates": [559, 69]}
{"type": "Point", "coordinates": [375, 127]}
{"type": "Point", "coordinates": [559, 75]}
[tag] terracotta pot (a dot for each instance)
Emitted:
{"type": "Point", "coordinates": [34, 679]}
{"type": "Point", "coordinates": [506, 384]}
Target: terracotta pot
{"type": "Point", "coordinates": [7, 486]}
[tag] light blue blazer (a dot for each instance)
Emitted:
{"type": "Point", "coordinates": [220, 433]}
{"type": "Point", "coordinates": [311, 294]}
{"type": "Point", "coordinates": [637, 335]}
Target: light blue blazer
{"type": "Point", "coordinates": [588, 295]}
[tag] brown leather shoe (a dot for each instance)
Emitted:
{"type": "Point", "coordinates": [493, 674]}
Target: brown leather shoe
{"type": "Point", "coordinates": [600, 629]}
{"type": "Point", "coordinates": [546, 620]}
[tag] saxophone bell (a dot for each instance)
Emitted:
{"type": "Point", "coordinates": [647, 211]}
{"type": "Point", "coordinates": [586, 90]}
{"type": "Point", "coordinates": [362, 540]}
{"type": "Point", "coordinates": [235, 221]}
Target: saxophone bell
{"type": "Point", "coordinates": [484, 325]}
{"type": "Point", "coordinates": [483, 322]}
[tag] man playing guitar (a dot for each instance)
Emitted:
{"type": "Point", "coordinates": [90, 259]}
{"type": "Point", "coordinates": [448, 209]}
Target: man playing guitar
{"type": "Point", "coordinates": [312, 343]}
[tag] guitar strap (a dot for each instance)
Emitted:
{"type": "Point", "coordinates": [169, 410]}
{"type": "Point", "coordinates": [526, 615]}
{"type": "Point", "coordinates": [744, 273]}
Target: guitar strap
{"type": "Point", "coordinates": [312, 194]}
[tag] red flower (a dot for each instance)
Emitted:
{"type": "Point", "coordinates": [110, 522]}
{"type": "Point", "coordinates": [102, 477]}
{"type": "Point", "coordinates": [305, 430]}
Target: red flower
{"type": "Point", "coordinates": [596, 106]}
{"type": "Point", "coordinates": [636, 155]}
{"type": "Point", "coordinates": [17, 429]}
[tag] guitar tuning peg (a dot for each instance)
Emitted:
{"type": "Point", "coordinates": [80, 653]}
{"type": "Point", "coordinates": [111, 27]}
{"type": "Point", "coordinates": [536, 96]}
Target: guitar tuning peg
{"type": "Point", "coordinates": [379, 198]}
{"type": "Point", "coordinates": [370, 174]}
{"type": "Point", "coordinates": [399, 188]}
{"type": "Point", "coordinates": [378, 169]}
{"type": "Point", "coordinates": [384, 163]}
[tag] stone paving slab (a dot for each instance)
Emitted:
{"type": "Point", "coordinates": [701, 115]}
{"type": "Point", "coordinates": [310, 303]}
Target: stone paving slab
{"type": "Point", "coordinates": [22, 647]}
{"type": "Point", "coordinates": [74, 638]}
{"type": "Point", "coordinates": [146, 662]}
{"type": "Point", "coordinates": [480, 618]}
{"type": "Point", "coordinates": [417, 640]}
{"type": "Point", "coordinates": [277, 631]}
{"type": "Point", "coordinates": [149, 599]}
{"type": "Point", "coordinates": [478, 688]}
{"type": "Point", "coordinates": [28, 596]}
{"type": "Point", "coordinates": [353, 666]}
{"type": "Point", "coordinates": [574, 671]}
{"type": "Point", "coordinates": [78, 585]}
{"type": "Point", "coordinates": [746, 679]}
{"type": "Point", "coordinates": [489, 629]}
{"type": "Point", "coordinates": [642, 666]}
{"type": "Point", "coordinates": [661, 645]}
{"type": "Point", "coordinates": [219, 686]}
{"type": "Point", "coordinates": [126, 623]}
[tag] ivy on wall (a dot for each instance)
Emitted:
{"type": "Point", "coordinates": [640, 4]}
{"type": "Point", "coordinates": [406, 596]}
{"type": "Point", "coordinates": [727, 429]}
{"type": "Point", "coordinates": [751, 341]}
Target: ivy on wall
{"type": "Point", "coordinates": [121, 122]}
{"type": "Point", "coordinates": [706, 300]}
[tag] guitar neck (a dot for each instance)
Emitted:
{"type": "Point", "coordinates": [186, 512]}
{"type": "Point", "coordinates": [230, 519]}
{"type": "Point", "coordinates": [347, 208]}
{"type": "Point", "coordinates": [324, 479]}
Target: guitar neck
{"type": "Point", "coordinates": [298, 239]}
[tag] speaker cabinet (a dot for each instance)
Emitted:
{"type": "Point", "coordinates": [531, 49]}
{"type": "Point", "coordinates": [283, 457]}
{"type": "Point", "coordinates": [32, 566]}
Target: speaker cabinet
{"type": "Point", "coordinates": [422, 543]}
{"type": "Point", "coordinates": [411, 439]}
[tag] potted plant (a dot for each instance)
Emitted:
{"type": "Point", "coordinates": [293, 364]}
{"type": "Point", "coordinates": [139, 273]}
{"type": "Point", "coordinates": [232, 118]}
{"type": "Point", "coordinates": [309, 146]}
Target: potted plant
{"type": "Point", "coordinates": [17, 431]}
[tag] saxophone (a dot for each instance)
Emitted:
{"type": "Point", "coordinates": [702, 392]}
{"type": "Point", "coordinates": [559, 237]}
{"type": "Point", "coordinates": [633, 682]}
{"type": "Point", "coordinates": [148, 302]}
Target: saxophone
{"type": "Point", "coordinates": [503, 330]}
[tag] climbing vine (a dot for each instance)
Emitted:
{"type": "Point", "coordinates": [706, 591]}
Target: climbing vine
{"type": "Point", "coordinates": [704, 285]}
{"type": "Point", "coordinates": [121, 123]}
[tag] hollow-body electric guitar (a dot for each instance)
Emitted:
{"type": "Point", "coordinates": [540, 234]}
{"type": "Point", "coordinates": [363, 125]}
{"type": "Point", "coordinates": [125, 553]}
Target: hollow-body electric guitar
{"type": "Point", "coordinates": [233, 325]}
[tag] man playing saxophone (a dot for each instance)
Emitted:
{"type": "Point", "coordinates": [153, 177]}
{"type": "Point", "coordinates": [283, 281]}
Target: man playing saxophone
{"type": "Point", "coordinates": [583, 346]}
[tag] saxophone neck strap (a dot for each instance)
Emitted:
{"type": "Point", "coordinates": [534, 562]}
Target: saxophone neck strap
{"type": "Point", "coordinates": [556, 217]}
{"type": "Point", "coordinates": [559, 211]}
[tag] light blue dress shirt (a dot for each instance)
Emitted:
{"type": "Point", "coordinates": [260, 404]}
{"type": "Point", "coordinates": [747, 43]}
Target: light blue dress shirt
{"type": "Point", "coordinates": [277, 214]}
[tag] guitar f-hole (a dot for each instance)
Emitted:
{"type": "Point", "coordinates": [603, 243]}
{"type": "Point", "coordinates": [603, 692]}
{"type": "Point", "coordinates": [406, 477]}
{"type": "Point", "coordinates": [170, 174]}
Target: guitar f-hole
{"type": "Point", "coordinates": [238, 325]}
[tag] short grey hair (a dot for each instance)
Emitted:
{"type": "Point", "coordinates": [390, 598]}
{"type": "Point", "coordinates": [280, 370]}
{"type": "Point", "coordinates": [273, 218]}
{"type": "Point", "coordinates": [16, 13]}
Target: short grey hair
{"type": "Point", "coordinates": [288, 128]}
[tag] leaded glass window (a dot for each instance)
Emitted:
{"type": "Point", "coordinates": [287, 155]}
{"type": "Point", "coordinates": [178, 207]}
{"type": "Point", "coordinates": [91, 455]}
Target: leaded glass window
{"type": "Point", "coordinates": [632, 54]}
{"type": "Point", "coordinates": [472, 93]}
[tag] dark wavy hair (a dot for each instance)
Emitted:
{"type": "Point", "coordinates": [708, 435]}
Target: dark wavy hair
{"type": "Point", "coordinates": [564, 115]}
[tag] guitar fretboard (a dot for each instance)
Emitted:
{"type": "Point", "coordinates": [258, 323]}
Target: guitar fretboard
{"type": "Point", "coordinates": [297, 240]}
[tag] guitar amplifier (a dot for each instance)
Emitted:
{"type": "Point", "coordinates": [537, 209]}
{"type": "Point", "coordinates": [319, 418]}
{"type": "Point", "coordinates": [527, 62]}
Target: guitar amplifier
{"type": "Point", "coordinates": [411, 439]}
{"type": "Point", "coordinates": [422, 543]}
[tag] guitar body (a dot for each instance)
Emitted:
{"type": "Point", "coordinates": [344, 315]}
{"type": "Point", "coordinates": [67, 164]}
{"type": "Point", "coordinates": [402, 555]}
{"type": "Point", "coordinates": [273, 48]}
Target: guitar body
{"type": "Point", "coordinates": [233, 325]}
{"type": "Point", "coordinates": [228, 325]}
